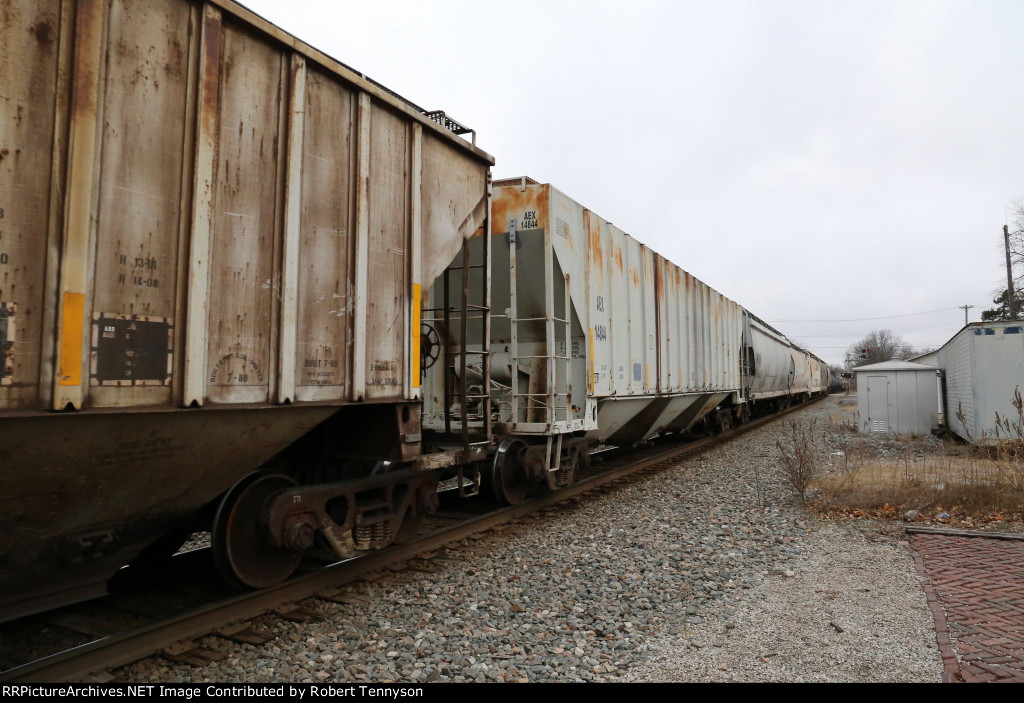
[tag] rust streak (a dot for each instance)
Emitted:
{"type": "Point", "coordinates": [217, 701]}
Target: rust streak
{"type": "Point", "coordinates": [659, 291]}
{"type": "Point", "coordinates": [43, 32]}
{"type": "Point", "coordinates": [89, 29]}
{"type": "Point", "coordinates": [211, 72]}
{"type": "Point", "coordinates": [509, 202]}
{"type": "Point", "coordinates": [594, 238]}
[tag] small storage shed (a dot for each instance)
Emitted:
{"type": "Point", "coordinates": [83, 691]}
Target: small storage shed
{"type": "Point", "coordinates": [983, 363]}
{"type": "Point", "coordinates": [897, 396]}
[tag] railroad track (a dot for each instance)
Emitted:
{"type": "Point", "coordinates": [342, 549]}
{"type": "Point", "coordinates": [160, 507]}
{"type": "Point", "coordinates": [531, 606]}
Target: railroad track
{"type": "Point", "coordinates": [134, 626]}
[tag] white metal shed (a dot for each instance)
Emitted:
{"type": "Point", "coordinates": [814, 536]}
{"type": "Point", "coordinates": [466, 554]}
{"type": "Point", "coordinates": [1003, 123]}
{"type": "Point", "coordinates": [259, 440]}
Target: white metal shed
{"type": "Point", "coordinates": [897, 396]}
{"type": "Point", "coordinates": [983, 363]}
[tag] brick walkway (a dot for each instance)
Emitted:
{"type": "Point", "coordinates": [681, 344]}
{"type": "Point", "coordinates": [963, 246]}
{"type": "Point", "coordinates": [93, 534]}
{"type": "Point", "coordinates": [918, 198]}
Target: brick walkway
{"type": "Point", "coordinates": [975, 587]}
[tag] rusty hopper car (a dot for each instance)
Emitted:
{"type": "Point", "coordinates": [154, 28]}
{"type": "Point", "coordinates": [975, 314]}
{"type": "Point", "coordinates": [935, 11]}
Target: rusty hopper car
{"type": "Point", "coordinates": [594, 338]}
{"type": "Point", "coordinates": [213, 242]}
{"type": "Point", "coordinates": [591, 338]}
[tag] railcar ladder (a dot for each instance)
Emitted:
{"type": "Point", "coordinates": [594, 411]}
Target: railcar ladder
{"type": "Point", "coordinates": [473, 307]}
{"type": "Point", "coordinates": [552, 406]}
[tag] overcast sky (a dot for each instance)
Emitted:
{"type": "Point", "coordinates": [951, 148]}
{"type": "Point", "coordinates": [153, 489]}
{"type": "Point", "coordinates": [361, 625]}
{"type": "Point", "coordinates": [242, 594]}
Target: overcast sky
{"type": "Point", "coordinates": [818, 162]}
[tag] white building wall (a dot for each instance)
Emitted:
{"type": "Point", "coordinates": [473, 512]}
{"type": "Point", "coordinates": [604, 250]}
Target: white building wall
{"type": "Point", "coordinates": [909, 405]}
{"type": "Point", "coordinates": [955, 358]}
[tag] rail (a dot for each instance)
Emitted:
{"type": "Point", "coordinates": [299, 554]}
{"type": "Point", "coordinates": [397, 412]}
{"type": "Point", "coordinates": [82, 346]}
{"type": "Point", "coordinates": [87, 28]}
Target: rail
{"type": "Point", "coordinates": [129, 646]}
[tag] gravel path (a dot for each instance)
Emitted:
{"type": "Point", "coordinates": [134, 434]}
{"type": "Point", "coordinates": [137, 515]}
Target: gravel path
{"type": "Point", "coordinates": [709, 571]}
{"type": "Point", "coordinates": [850, 609]}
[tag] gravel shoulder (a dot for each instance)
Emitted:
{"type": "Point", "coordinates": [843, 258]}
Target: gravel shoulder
{"type": "Point", "coordinates": [708, 571]}
{"type": "Point", "coordinates": [849, 608]}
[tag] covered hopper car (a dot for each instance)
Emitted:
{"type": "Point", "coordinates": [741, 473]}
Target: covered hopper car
{"type": "Point", "coordinates": [595, 339]}
{"type": "Point", "coordinates": [245, 289]}
{"type": "Point", "coordinates": [212, 243]}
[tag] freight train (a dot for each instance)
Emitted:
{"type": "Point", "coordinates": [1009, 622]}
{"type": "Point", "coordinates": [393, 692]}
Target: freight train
{"type": "Point", "coordinates": [246, 289]}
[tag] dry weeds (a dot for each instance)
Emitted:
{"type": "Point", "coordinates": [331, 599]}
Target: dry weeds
{"type": "Point", "coordinates": [798, 456]}
{"type": "Point", "coordinates": [923, 478]}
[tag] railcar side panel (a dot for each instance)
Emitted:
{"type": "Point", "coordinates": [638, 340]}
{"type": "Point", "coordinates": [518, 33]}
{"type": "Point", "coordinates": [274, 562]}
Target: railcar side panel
{"type": "Point", "coordinates": [455, 205]}
{"type": "Point", "coordinates": [611, 301]}
{"type": "Point", "coordinates": [668, 308]}
{"type": "Point", "coordinates": [648, 338]}
{"type": "Point", "coordinates": [702, 341]}
{"type": "Point", "coordinates": [327, 250]}
{"type": "Point", "coordinates": [30, 154]}
{"type": "Point", "coordinates": [387, 325]}
{"type": "Point", "coordinates": [690, 333]}
{"type": "Point", "coordinates": [244, 278]}
{"type": "Point", "coordinates": [141, 196]}
{"type": "Point", "coordinates": [630, 324]}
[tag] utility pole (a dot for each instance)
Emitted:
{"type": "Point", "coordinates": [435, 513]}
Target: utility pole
{"type": "Point", "coordinates": [1011, 299]}
{"type": "Point", "coordinates": [965, 308]}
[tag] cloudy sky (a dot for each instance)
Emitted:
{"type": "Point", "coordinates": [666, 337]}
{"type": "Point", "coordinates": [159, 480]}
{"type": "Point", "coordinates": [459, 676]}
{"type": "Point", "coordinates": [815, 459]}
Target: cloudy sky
{"type": "Point", "coordinates": [836, 167]}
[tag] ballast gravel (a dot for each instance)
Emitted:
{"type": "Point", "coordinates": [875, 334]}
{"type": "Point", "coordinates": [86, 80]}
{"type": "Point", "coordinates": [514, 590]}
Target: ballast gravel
{"type": "Point", "coordinates": [706, 571]}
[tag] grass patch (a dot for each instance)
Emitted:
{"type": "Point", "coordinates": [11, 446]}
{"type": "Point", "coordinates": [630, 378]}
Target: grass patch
{"type": "Point", "coordinates": [921, 478]}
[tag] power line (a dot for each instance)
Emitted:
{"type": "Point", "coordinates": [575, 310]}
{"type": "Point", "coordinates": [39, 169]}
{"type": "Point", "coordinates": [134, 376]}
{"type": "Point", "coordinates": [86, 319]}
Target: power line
{"type": "Point", "coordinates": [915, 346]}
{"type": "Point", "coordinates": [851, 335]}
{"type": "Point", "coordinates": [868, 319]}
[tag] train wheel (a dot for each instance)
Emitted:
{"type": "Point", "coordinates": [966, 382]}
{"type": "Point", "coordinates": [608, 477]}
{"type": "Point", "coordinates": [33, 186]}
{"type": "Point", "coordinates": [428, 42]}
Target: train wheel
{"type": "Point", "coordinates": [241, 547]}
{"type": "Point", "coordinates": [507, 480]}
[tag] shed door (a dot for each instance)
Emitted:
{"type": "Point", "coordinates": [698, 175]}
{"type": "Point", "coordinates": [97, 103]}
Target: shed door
{"type": "Point", "coordinates": [878, 403]}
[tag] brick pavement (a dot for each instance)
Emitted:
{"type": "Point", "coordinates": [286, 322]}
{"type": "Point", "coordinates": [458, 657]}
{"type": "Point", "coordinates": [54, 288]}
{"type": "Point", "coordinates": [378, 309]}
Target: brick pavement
{"type": "Point", "coordinates": [975, 588]}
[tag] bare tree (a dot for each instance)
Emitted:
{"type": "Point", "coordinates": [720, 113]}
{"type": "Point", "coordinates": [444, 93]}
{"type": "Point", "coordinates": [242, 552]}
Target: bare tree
{"type": "Point", "coordinates": [876, 346]}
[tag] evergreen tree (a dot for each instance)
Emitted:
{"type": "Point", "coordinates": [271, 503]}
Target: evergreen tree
{"type": "Point", "coordinates": [1001, 311]}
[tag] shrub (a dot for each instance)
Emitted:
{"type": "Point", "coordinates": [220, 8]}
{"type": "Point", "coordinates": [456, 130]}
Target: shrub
{"type": "Point", "coordinates": [797, 456]}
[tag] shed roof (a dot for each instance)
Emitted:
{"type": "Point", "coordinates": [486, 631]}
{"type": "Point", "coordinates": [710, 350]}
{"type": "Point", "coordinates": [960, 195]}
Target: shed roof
{"type": "Point", "coordinates": [894, 365]}
{"type": "Point", "coordinates": [929, 359]}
